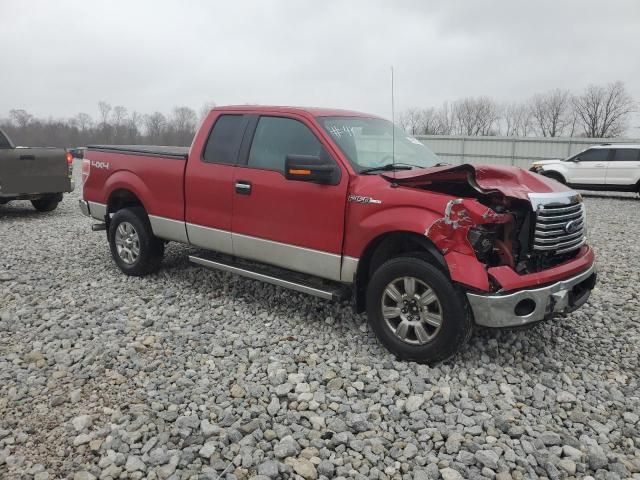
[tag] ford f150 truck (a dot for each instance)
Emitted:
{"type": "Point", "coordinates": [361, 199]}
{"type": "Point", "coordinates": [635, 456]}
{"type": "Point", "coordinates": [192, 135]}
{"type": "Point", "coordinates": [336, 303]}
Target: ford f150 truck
{"type": "Point", "coordinates": [329, 201]}
{"type": "Point", "coordinates": [39, 174]}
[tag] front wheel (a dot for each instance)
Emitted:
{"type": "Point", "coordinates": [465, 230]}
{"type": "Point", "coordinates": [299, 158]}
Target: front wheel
{"type": "Point", "coordinates": [134, 247]}
{"type": "Point", "coordinates": [416, 312]}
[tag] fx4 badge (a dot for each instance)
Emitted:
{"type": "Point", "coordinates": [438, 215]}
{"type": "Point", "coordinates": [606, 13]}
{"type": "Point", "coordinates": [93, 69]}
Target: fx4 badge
{"type": "Point", "coordinates": [361, 199]}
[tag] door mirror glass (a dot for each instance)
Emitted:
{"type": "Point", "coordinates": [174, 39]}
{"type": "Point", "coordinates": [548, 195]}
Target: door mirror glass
{"type": "Point", "coordinates": [310, 168]}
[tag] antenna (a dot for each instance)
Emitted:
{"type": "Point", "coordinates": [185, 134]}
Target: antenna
{"type": "Point", "coordinates": [393, 122]}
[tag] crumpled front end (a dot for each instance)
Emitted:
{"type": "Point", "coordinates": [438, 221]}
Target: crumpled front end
{"type": "Point", "coordinates": [514, 240]}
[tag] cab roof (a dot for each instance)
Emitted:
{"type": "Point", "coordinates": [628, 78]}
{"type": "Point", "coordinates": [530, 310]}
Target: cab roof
{"type": "Point", "coordinates": [617, 145]}
{"type": "Point", "coordinates": [313, 111]}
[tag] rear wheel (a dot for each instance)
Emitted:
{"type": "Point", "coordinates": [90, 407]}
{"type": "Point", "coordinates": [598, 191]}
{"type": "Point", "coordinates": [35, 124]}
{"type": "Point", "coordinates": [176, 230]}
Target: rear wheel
{"type": "Point", "coordinates": [416, 312]}
{"type": "Point", "coordinates": [134, 248]}
{"type": "Point", "coordinates": [47, 203]}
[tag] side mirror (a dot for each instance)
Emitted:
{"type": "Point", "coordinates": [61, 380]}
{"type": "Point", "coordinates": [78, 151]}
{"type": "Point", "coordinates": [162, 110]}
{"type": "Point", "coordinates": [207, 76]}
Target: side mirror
{"type": "Point", "coordinates": [575, 159]}
{"type": "Point", "coordinates": [310, 168]}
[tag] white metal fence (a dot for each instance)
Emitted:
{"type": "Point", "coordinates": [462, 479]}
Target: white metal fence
{"type": "Point", "coordinates": [518, 151]}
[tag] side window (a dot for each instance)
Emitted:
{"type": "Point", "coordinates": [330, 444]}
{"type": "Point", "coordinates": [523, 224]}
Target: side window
{"type": "Point", "coordinates": [277, 137]}
{"type": "Point", "coordinates": [225, 139]}
{"type": "Point", "coordinates": [594, 155]}
{"type": "Point", "coordinates": [627, 155]}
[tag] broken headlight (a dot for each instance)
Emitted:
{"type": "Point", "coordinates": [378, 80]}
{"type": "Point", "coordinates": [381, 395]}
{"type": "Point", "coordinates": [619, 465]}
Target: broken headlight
{"type": "Point", "coordinates": [482, 238]}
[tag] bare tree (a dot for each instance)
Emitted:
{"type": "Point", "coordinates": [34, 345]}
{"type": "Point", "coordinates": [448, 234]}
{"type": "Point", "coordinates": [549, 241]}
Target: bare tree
{"type": "Point", "coordinates": [20, 117]}
{"type": "Point", "coordinates": [412, 121]}
{"type": "Point", "coordinates": [447, 119]}
{"type": "Point", "coordinates": [476, 116]}
{"type": "Point", "coordinates": [83, 121]}
{"type": "Point", "coordinates": [516, 119]}
{"type": "Point", "coordinates": [133, 126]}
{"type": "Point", "coordinates": [155, 125]}
{"type": "Point", "coordinates": [551, 112]}
{"type": "Point", "coordinates": [603, 111]}
{"type": "Point", "coordinates": [119, 115]}
{"type": "Point", "coordinates": [184, 119]}
{"type": "Point", "coordinates": [205, 109]}
{"type": "Point", "coordinates": [182, 125]}
{"type": "Point", "coordinates": [105, 110]}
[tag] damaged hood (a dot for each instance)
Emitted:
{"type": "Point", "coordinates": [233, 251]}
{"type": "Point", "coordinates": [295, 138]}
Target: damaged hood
{"type": "Point", "coordinates": [512, 182]}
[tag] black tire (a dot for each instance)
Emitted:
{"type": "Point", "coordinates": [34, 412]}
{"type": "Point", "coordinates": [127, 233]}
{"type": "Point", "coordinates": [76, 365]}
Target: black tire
{"type": "Point", "coordinates": [456, 322]}
{"type": "Point", "coordinates": [48, 203]}
{"type": "Point", "coordinates": [555, 176]}
{"type": "Point", "coordinates": [150, 248]}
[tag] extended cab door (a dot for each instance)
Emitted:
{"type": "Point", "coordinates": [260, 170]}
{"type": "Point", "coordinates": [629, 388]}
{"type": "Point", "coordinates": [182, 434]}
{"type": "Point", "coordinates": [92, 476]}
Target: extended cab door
{"type": "Point", "coordinates": [624, 169]}
{"type": "Point", "coordinates": [289, 223]}
{"type": "Point", "coordinates": [209, 182]}
{"type": "Point", "coordinates": [589, 167]}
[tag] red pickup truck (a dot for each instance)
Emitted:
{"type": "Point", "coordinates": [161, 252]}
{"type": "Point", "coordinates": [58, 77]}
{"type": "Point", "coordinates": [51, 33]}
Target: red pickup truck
{"type": "Point", "coordinates": [333, 202]}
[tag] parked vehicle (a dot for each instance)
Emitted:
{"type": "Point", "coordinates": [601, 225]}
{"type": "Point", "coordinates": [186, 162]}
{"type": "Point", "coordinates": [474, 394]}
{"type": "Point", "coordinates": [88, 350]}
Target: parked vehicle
{"type": "Point", "coordinates": [331, 203]}
{"type": "Point", "coordinates": [40, 174]}
{"type": "Point", "coordinates": [601, 167]}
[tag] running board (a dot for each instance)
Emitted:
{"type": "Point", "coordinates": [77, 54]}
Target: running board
{"type": "Point", "coordinates": [284, 279]}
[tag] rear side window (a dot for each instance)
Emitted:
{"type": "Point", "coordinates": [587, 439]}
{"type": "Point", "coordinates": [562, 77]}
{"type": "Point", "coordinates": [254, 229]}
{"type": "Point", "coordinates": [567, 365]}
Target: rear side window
{"type": "Point", "coordinates": [594, 155]}
{"type": "Point", "coordinates": [225, 139]}
{"type": "Point", "coordinates": [627, 155]}
{"type": "Point", "coordinates": [277, 137]}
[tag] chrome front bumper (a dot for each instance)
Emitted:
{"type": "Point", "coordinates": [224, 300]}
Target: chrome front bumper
{"type": "Point", "coordinates": [529, 306]}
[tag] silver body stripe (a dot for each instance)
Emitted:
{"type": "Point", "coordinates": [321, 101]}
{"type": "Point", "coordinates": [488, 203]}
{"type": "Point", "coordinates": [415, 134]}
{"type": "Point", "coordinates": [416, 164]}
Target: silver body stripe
{"type": "Point", "coordinates": [210, 238]}
{"type": "Point", "coordinates": [169, 229]}
{"type": "Point", "coordinates": [300, 259]}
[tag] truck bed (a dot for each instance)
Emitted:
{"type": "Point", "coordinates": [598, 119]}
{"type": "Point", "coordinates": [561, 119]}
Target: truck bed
{"type": "Point", "coordinates": [145, 150]}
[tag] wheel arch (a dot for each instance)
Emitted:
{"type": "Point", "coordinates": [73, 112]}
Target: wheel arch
{"type": "Point", "coordinates": [389, 245]}
{"type": "Point", "coordinates": [122, 198]}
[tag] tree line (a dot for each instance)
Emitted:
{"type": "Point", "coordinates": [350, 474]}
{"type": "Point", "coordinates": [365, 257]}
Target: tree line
{"type": "Point", "coordinates": [114, 125]}
{"type": "Point", "coordinates": [600, 111]}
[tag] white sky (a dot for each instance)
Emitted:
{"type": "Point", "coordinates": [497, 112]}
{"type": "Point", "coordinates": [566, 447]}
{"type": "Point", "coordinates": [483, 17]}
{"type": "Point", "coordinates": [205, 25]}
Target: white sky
{"type": "Point", "coordinates": [61, 57]}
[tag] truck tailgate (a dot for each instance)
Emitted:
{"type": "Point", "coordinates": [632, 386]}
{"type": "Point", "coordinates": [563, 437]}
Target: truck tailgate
{"type": "Point", "coordinates": [33, 170]}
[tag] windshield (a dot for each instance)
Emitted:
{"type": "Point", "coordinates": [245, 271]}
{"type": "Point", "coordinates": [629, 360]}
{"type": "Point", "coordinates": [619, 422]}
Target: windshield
{"type": "Point", "coordinates": [367, 143]}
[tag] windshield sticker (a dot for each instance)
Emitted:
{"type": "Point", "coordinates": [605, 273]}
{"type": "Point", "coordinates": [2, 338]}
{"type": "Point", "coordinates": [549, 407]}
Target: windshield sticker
{"type": "Point", "coordinates": [338, 131]}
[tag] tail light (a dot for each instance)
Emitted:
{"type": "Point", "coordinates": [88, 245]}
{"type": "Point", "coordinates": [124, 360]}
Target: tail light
{"type": "Point", "coordinates": [86, 169]}
{"type": "Point", "coordinates": [69, 158]}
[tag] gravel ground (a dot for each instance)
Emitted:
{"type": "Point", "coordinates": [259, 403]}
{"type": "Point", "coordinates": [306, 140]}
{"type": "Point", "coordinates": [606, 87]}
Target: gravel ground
{"type": "Point", "coordinates": [195, 374]}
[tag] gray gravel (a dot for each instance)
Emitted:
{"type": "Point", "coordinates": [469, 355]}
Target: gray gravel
{"type": "Point", "coordinates": [195, 374]}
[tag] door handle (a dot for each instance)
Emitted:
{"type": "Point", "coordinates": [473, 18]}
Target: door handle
{"type": "Point", "coordinates": [243, 187]}
{"type": "Point", "coordinates": [599, 165]}
{"type": "Point", "coordinates": [27, 157]}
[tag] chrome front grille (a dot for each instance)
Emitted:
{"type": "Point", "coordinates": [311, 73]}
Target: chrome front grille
{"type": "Point", "coordinates": [560, 224]}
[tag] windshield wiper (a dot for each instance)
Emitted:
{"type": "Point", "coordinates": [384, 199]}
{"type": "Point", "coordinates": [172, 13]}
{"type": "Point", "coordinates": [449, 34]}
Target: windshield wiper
{"type": "Point", "coordinates": [389, 167]}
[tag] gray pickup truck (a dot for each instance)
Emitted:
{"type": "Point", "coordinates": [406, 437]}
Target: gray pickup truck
{"type": "Point", "coordinates": [39, 174]}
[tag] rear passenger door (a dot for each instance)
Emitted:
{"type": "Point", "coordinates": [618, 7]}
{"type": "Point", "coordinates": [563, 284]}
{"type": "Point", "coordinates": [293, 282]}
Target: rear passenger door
{"type": "Point", "coordinates": [589, 167]}
{"type": "Point", "coordinates": [289, 223]}
{"type": "Point", "coordinates": [624, 169]}
{"type": "Point", "coordinates": [209, 191]}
